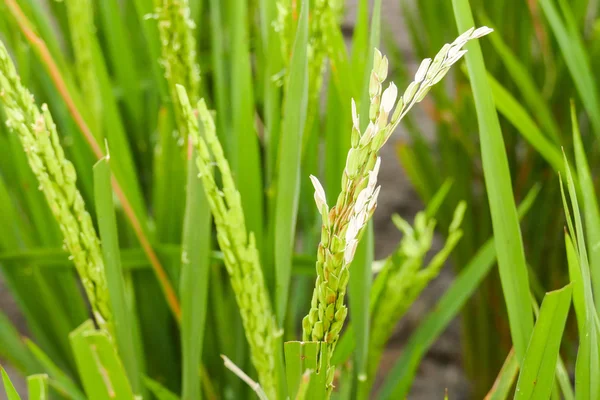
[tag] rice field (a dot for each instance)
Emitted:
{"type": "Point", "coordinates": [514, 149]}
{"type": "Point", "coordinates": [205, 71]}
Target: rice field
{"type": "Point", "coordinates": [187, 192]}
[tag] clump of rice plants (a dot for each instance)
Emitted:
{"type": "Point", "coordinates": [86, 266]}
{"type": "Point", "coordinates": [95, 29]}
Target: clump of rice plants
{"type": "Point", "coordinates": [158, 169]}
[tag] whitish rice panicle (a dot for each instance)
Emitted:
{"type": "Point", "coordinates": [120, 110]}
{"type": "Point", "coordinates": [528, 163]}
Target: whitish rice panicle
{"type": "Point", "coordinates": [344, 224]}
{"type": "Point", "coordinates": [239, 248]}
{"type": "Point", "coordinates": [57, 179]}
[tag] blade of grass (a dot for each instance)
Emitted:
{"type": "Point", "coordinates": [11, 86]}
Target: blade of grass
{"type": "Point", "coordinates": [510, 108]}
{"type": "Point", "coordinates": [245, 157]}
{"type": "Point", "coordinates": [60, 381]}
{"type": "Point", "coordinates": [590, 207]}
{"type": "Point", "coordinates": [169, 183]}
{"type": "Point", "coordinates": [123, 61]}
{"type": "Point", "coordinates": [193, 287]}
{"type": "Point", "coordinates": [288, 180]}
{"type": "Point", "coordinates": [64, 284]}
{"type": "Point", "coordinates": [219, 65]}
{"type": "Point", "coordinates": [562, 375]}
{"type": "Point", "coordinates": [132, 259]}
{"type": "Point", "coordinates": [273, 63]}
{"type": "Point", "coordinates": [539, 365]}
{"type": "Point", "coordinates": [122, 311]}
{"type": "Point", "coordinates": [505, 380]}
{"type": "Point", "coordinates": [159, 391]}
{"type": "Point", "coordinates": [99, 367]}
{"type": "Point", "coordinates": [507, 234]}
{"type": "Point", "coordinates": [360, 39]}
{"type": "Point", "coordinates": [149, 27]}
{"type": "Point", "coordinates": [12, 348]}
{"type": "Point", "coordinates": [398, 381]}
{"type": "Point", "coordinates": [587, 368]}
{"type": "Point", "coordinates": [9, 389]}
{"type": "Point", "coordinates": [37, 387]}
{"type": "Point", "coordinates": [576, 58]}
{"type": "Point", "coordinates": [24, 280]}
{"type": "Point", "coordinates": [526, 85]}
{"type": "Point", "coordinates": [299, 358]}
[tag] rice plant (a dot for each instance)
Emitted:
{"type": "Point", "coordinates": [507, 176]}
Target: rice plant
{"type": "Point", "coordinates": [187, 190]}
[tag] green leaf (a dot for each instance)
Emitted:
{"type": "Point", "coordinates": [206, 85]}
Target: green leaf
{"type": "Point", "coordinates": [193, 287]}
{"type": "Point", "coordinates": [59, 380]}
{"type": "Point", "coordinates": [587, 368]}
{"type": "Point", "coordinates": [288, 171]}
{"type": "Point", "coordinates": [576, 58]}
{"type": "Point", "coordinates": [12, 348]}
{"type": "Point", "coordinates": [518, 116]}
{"type": "Point", "coordinates": [124, 318]}
{"type": "Point", "coordinates": [9, 389]}
{"type": "Point", "coordinates": [590, 207]}
{"type": "Point", "coordinates": [244, 154]}
{"type": "Point", "coordinates": [132, 258]}
{"type": "Point", "coordinates": [99, 366]}
{"type": "Point", "coordinates": [122, 58]}
{"type": "Point", "coordinates": [272, 65]}
{"type": "Point", "coordinates": [562, 375]}
{"type": "Point", "coordinates": [168, 184]}
{"type": "Point", "coordinates": [299, 358]}
{"type": "Point", "coordinates": [37, 387]}
{"type": "Point", "coordinates": [360, 39]}
{"type": "Point", "coordinates": [506, 378]}
{"type": "Point", "coordinates": [525, 83]}
{"type": "Point", "coordinates": [539, 365]}
{"type": "Point", "coordinates": [507, 234]}
{"type": "Point", "coordinates": [159, 391]}
{"type": "Point", "coordinates": [43, 310]}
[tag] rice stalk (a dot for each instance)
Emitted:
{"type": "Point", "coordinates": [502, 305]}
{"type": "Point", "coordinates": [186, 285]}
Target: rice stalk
{"type": "Point", "coordinates": [81, 26]}
{"type": "Point", "coordinates": [344, 224]}
{"type": "Point", "coordinates": [241, 256]}
{"type": "Point", "coordinates": [178, 53]}
{"type": "Point", "coordinates": [57, 179]}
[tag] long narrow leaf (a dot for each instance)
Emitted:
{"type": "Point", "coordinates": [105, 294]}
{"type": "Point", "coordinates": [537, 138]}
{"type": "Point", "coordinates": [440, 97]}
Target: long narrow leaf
{"type": "Point", "coordinates": [587, 368]}
{"type": "Point", "coordinates": [122, 310]}
{"type": "Point", "coordinates": [506, 378]}
{"type": "Point", "coordinates": [99, 367]}
{"type": "Point", "coordinates": [288, 180]}
{"type": "Point", "coordinates": [576, 59]}
{"type": "Point", "coordinates": [507, 234]}
{"type": "Point", "coordinates": [195, 267]}
{"type": "Point", "coordinates": [37, 387]}
{"type": "Point", "coordinates": [60, 381]}
{"type": "Point", "coordinates": [538, 367]}
{"type": "Point", "coordinates": [590, 207]}
{"type": "Point", "coordinates": [9, 389]}
{"type": "Point", "coordinates": [518, 116]}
